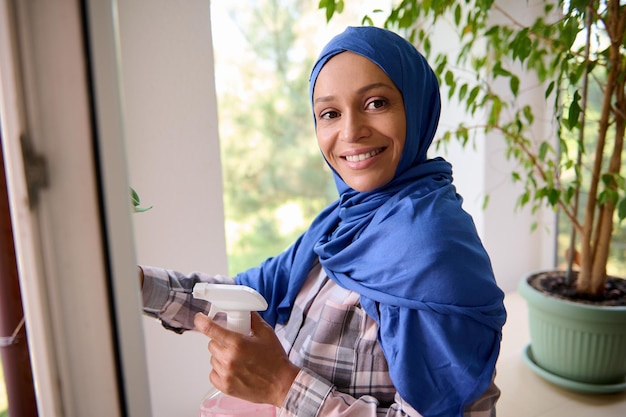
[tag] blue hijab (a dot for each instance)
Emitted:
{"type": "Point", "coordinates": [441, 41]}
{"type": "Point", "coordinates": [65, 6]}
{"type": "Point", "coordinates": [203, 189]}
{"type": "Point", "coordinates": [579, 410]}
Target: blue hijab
{"type": "Point", "coordinates": [408, 248]}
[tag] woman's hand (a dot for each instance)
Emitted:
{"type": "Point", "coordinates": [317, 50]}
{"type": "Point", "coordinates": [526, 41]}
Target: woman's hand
{"type": "Point", "coordinates": [252, 367]}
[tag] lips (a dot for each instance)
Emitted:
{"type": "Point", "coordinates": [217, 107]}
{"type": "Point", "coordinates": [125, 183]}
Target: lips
{"type": "Point", "coordinates": [363, 156]}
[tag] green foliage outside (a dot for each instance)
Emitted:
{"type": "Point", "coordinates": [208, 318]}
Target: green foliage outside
{"type": "Point", "coordinates": [275, 180]}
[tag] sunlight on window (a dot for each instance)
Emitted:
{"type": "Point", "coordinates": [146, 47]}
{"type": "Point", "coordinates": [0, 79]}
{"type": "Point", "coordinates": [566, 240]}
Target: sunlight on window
{"type": "Point", "coordinates": [290, 218]}
{"type": "Point", "coordinates": [275, 180]}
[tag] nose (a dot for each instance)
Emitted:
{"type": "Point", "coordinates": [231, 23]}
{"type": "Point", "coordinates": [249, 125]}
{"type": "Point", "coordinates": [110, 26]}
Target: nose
{"type": "Point", "coordinates": [354, 127]}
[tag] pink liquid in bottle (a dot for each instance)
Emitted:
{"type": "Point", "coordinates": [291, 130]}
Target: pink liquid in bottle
{"type": "Point", "coordinates": [222, 405]}
{"type": "Point", "coordinates": [237, 301]}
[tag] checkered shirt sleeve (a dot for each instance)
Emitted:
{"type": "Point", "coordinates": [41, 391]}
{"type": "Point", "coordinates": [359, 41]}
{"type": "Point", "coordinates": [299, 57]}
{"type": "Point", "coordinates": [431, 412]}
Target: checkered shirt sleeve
{"type": "Point", "coordinates": [343, 373]}
{"type": "Point", "coordinates": [167, 296]}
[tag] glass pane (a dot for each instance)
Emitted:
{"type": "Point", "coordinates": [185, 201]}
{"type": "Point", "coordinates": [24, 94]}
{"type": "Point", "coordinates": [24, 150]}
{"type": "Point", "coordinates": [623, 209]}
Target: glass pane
{"type": "Point", "coordinates": [275, 180]}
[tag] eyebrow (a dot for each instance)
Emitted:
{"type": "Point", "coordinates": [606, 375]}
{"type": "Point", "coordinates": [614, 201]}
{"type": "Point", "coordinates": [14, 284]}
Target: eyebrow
{"type": "Point", "coordinates": [359, 91]}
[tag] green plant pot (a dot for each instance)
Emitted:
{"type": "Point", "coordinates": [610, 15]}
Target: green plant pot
{"type": "Point", "coordinates": [576, 342]}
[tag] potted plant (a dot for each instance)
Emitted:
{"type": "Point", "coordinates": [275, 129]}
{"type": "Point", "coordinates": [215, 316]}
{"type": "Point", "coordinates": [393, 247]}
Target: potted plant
{"type": "Point", "coordinates": [576, 50]}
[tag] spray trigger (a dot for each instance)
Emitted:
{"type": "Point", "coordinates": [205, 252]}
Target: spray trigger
{"type": "Point", "coordinates": [237, 301]}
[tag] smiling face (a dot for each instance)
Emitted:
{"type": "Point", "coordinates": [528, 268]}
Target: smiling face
{"type": "Point", "coordinates": [360, 121]}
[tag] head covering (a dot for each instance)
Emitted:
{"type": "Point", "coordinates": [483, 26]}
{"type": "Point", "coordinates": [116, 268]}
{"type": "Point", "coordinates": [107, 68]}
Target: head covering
{"type": "Point", "coordinates": [408, 248]}
{"type": "Point", "coordinates": [410, 72]}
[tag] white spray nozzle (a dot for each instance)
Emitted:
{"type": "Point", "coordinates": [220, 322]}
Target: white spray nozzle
{"type": "Point", "coordinates": [237, 301]}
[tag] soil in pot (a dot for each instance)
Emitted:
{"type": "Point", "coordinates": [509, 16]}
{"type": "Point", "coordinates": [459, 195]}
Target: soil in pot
{"type": "Point", "coordinates": [554, 283]}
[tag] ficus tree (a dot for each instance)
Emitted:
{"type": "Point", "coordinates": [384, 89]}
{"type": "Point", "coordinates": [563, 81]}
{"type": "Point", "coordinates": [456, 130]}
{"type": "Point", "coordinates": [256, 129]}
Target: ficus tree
{"type": "Point", "coordinates": [576, 50]}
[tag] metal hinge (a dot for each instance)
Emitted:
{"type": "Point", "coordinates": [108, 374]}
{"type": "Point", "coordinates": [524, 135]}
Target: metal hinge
{"type": "Point", "coordinates": [35, 170]}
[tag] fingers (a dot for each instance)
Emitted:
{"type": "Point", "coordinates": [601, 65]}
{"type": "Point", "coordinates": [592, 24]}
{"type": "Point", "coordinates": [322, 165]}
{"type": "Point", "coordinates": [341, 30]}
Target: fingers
{"type": "Point", "coordinates": [253, 367]}
{"type": "Point", "coordinates": [258, 325]}
{"type": "Point", "coordinates": [202, 323]}
{"type": "Point", "coordinates": [210, 328]}
{"type": "Point", "coordinates": [216, 380]}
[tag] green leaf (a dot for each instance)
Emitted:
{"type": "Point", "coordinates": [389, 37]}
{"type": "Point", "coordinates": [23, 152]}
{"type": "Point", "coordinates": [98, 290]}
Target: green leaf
{"type": "Point", "coordinates": [543, 150]}
{"type": "Point", "coordinates": [553, 196]}
{"type": "Point", "coordinates": [427, 46]}
{"type": "Point", "coordinates": [524, 199]}
{"type": "Point", "coordinates": [607, 195]}
{"type": "Point", "coordinates": [462, 135]}
{"type": "Point", "coordinates": [498, 70]}
{"type": "Point", "coordinates": [514, 83]}
{"type": "Point", "coordinates": [331, 7]}
{"type": "Point", "coordinates": [136, 202]}
{"type": "Point", "coordinates": [574, 111]}
{"type": "Point", "coordinates": [607, 179]}
{"type": "Point", "coordinates": [463, 91]}
{"type": "Point", "coordinates": [528, 114]}
{"type": "Point", "coordinates": [550, 88]}
{"type": "Point", "coordinates": [496, 109]}
{"type": "Point", "coordinates": [485, 201]}
{"type": "Point", "coordinates": [339, 4]}
{"type": "Point", "coordinates": [449, 78]}
{"type": "Point", "coordinates": [621, 209]}
{"type": "Point", "coordinates": [134, 197]}
{"type": "Point", "coordinates": [472, 96]}
{"type": "Point", "coordinates": [457, 15]}
{"type": "Point", "coordinates": [521, 47]}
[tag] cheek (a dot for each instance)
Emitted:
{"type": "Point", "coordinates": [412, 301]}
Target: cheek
{"type": "Point", "coordinates": [324, 143]}
{"type": "Point", "coordinates": [401, 142]}
{"type": "Point", "coordinates": [400, 136]}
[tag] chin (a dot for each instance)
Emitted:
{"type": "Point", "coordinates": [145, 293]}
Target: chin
{"type": "Point", "coordinates": [366, 182]}
{"type": "Point", "coordinates": [364, 188]}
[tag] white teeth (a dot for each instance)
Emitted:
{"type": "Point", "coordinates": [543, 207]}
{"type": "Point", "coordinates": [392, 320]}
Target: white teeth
{"type": "Point", "coordinates": [363, 156]}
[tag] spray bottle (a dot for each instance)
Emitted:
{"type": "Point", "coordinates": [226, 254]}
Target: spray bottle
{"type": "Point", "coordinates": [237, 301]}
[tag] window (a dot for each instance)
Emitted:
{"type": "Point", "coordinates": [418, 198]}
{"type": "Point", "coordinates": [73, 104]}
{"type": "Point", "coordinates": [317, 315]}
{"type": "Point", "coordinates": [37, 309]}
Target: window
{"type": "Point", "coordinates": [275, 180]}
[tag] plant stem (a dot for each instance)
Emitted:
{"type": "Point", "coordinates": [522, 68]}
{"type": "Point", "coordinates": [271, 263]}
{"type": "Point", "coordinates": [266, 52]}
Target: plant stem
{"type": "Point", "coordinates": [579, 155]}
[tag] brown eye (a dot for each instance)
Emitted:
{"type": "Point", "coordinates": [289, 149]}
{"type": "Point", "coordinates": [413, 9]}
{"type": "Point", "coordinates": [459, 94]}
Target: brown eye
{"type": "Point", "coordinates": [376, 104]}
{"type": "Point", "coordinates": [329, 115]}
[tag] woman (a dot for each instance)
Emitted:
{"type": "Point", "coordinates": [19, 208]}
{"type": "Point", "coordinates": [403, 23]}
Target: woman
{"type": "Point", "coordinates": [387, 304]}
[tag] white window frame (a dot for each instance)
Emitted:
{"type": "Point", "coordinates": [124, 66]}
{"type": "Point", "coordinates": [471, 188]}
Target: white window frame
{"type": "Point", "coordinates": [73, 251]}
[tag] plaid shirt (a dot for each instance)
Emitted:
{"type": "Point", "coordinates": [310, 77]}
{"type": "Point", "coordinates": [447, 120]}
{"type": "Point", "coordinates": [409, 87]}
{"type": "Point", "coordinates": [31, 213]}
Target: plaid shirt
{"type": "Point", "coordinates": [328, 335]}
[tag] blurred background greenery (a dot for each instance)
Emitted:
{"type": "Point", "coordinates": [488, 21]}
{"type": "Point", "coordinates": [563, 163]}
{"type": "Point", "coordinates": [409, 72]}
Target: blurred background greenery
{"type": "Point", "coordinates": [275, 180]}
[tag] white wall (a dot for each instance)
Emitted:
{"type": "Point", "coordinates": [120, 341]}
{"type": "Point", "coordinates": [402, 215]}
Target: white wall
{"type": "Point", "coordinates": [173, 156]}
{"type": "Point", "coordinates": [515, 249]}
